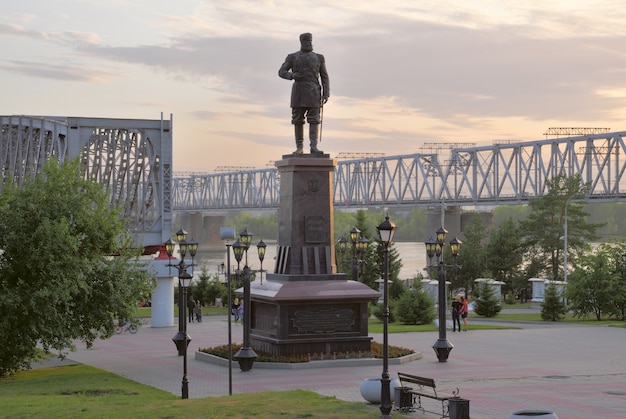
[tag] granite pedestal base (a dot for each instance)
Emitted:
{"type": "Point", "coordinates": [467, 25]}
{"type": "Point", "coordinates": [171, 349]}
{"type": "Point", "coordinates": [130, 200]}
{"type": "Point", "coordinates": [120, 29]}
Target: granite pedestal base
{"type": "Point", "coordinates": [291, 316]}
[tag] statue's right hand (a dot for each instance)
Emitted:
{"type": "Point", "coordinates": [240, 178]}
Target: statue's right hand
{"type": "Point", "coordinates": [295, 76]}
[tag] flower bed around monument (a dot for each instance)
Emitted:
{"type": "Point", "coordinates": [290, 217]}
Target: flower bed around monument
{"type": "Point", "coordinates": [375, 352]}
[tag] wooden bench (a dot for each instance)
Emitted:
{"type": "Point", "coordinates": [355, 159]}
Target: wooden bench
{"type": "Point", "coordinates": [420, 387]}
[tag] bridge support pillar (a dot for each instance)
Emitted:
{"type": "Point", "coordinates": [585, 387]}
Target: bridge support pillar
{"type": "Point", "coordinates": [204, 229]}
{"type": "Point", "coordinates": [211, 227]}
{"type": "Point", "coordinates": [304, 305]}
{"type": "Point", "coordinates": [163, 295]}
{"type": "Point", "coordinates": [451, 221]}
{"type": "Point", "coordinates": [468, 217]}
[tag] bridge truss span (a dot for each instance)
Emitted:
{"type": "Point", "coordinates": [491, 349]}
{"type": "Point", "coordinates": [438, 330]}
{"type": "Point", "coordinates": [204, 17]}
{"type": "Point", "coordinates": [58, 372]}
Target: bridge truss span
{"type": "Point", "coordinates": [248, 189]}
{"type": "Point", "coordinates": [504, 173]}
{"type": "Point", "coordinates": [131, 158]}
{"type": "Point", "coordinates": [518, 172]}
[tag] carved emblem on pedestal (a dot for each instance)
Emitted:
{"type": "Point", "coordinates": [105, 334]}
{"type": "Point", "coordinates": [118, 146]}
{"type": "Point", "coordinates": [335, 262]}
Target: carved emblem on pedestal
{"type": "Point", "coordinates": [314, 185]}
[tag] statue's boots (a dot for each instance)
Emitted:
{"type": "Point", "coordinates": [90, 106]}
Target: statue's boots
{"type": "Point", "coordinates": [313, 132]}
{"type": "Point", "coordinates": [299, 132]}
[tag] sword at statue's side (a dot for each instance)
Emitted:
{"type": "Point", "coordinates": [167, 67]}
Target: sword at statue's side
{"type": "Point", "coordinates": [321, 121]}
{"type": "Point", "coordinates": [324, 100]}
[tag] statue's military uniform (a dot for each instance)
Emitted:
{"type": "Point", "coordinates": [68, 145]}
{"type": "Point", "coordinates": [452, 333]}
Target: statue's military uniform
{"type": "Point", "coordinates": [306, 68]}
{"type": "Point", "coordinates": [306, 92]}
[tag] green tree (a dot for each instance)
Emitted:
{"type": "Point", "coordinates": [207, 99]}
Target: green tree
{"type": "Point", "coordinates": [415, 306]}
{"type": "Point", "coordinates": [471, 257]}
{"type": "Point", "coordinates": [59, 280]}
{"type": "Point", "coordinates": [542, 231]}
{"type": "Point", "coordinates": [505, 254]}
{"type": "Point", "coordinates": [487, 304]}
{"type": "Point", "coordinates": [597, 287]}
{"type": "Point", "coordinates": [553, 308]}
{"type": "Point", "coordinates": [207, 289]}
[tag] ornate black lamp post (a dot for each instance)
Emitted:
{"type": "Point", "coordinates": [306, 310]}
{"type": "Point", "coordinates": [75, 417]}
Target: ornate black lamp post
{"type": "Point", "coordinates": [443, 346]}
{"type": "Point", "coordinates": [184, 281]}
{"type": "Point", "coordinates": [228, 234]}
{"type": "Point", "coordinates": [359, 247]}
{"type": "Point", "coordinates": [185, 247]}
{"type": "Point", "coordinates": [386, 230]}
{"type": "Point", "coordinates": [246, 355]}
{"type": "Point", "coordinates": [181, 339]}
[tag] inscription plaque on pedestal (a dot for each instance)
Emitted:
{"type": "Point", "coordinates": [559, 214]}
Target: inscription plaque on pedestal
{"type": "Point", "coordinates": [315, 228]}
{"type": "Point", "coordinates": [322, 320]}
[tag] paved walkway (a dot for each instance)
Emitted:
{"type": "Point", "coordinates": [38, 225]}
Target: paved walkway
{"type": "Point", "coordinates": [579, 372]}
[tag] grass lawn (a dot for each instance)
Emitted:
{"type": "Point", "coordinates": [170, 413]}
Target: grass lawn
{"type": "Point", "coordinates": [569, 318]}
{"type": "Point", "coordinates": [376, 326]}
{"type": "Point", "coordinates": [81, 391]}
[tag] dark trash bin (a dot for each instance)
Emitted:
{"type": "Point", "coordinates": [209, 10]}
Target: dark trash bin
{"type": "Point", "coordinates": [459, 408]}
{"type": "Point", "coordinates": [402, 398]}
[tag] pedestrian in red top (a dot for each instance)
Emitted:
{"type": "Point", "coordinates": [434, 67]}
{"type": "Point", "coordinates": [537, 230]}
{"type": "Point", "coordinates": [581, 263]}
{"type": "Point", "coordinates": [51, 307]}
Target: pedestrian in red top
{"type": "Point", "coordinates": [464, 311]}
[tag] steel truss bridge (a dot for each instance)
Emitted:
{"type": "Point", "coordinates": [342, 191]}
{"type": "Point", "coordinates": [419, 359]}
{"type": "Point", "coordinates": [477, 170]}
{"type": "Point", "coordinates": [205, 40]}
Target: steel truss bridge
{"type": "Point", "coordinates": [504, 173]}
{"type": "Point", "coordinates": [131, 158]}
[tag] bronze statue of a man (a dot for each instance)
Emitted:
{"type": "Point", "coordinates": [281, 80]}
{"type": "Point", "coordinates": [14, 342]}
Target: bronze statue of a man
{"type": "Point", "coordinates": [306, 68]}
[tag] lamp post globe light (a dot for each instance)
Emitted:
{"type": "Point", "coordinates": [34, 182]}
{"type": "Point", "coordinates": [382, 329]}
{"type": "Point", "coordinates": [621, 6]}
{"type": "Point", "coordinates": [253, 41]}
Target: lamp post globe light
{"type": "Point", "coordinates": [261, 246]}
{"type": "Point", "coordinates": [442, 346]}
{"type": "Point", "coordinates": [386, 231]}
{"type": "Point", "coordinates": [181, 339]}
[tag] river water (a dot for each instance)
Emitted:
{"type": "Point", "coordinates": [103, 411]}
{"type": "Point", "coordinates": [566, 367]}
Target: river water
{"type": "Point", "coordinates": [412, 254]}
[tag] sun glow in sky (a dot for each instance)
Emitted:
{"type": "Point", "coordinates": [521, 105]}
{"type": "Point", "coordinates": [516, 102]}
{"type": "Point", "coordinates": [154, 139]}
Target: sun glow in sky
{"type": "Point", "coordinates": [402, 73]}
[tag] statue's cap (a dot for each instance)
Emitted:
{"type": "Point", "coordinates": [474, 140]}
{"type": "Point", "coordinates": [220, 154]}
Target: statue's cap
{"type": "Point", "coordinates": [306, 37]}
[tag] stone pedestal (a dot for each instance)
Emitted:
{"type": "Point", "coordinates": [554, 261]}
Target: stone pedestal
{"type": "Point", "coordinates": [304, 305]}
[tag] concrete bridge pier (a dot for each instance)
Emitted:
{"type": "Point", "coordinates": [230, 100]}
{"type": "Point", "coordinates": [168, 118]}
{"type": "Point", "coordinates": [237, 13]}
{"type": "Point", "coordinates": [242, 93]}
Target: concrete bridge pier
{"type": "Point", "coordinates": [451, 221]}
{"type": "Point", "coordinates": [163, 294]}
{"type": "Point", "coordinates": [204, 229]}
{"type": "Point", "coordinates": [455, 221]}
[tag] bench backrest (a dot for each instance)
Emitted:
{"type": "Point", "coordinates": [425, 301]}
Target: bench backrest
{"type": "Point", "coordinates": [414, 379]}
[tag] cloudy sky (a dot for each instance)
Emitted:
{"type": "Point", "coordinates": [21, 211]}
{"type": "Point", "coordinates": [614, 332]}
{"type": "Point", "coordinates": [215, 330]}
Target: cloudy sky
{"type": "Point", "coordinates": [402, 73]}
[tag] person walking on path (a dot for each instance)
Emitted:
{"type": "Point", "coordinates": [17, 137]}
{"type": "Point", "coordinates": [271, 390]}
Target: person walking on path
{"type": "Point", "coordinates": [464, 311]}
{"type": "Point", "coordinates": [234, 309]}
{"type": "Point", "coordinates": [198, 311]}
{"type": "Point", "coordinates": [456, 314]}
{"type": "Point", "coordinates": [191, 307]}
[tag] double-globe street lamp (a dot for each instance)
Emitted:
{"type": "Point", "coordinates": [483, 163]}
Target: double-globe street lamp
{"type": "Point", "coordinates": [442, 346]}
{"type": "Point", "coordinates": [181, 339]}
{"type": "Point", "coordinates": [386, 231]}
{"type": "Point", "coordinates": [246, 355]}
{"type": "Point", "coordinates": [359, 247]}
